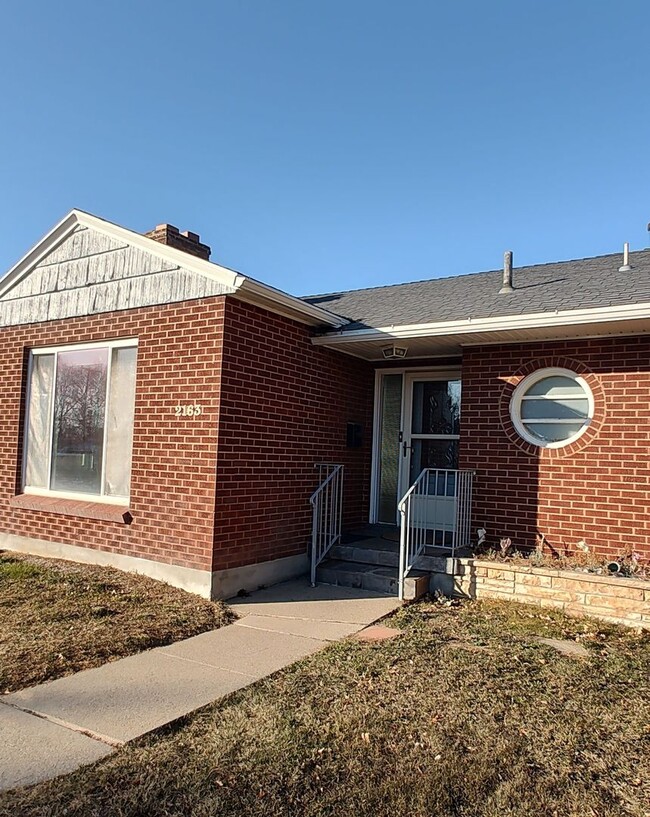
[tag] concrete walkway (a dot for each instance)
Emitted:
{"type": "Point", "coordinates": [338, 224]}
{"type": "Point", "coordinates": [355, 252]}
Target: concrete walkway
{"type": "Point", "coordinates": [56, 727]}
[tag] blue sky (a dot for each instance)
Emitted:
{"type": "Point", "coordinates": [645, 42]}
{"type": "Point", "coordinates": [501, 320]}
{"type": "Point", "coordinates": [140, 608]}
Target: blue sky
{"type": "Point", "coordinates": [331, 144]}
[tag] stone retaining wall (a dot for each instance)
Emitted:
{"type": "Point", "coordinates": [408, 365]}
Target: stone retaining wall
{"type": "Point", "coordinates": [617, 600]}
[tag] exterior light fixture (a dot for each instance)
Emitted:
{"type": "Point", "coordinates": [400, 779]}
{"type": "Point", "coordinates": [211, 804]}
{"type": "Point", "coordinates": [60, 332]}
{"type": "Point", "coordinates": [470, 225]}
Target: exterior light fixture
{"type": "Point", "coordinates": [394, 352]}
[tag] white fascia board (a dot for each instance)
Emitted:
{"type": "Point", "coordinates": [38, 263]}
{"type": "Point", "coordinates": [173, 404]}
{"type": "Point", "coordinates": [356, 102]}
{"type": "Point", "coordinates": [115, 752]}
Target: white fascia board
{"type": "Point", "coordinates": [540, 320]}
{"type": "Point", "coordinates": [238, 284]}
{"type": "Point", "coordinates": [277, 301]}
{"type": "Point", "coordinates": [32, 257]}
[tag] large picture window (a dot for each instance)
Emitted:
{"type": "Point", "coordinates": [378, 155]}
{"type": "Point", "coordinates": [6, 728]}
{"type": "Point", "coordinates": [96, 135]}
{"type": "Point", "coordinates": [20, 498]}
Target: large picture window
{"type": "Point", "coordinates": [80, 420]}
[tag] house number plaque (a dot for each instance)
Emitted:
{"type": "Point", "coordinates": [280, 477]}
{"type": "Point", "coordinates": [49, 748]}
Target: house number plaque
{"type": "Point", "coordinates": [188, 410]}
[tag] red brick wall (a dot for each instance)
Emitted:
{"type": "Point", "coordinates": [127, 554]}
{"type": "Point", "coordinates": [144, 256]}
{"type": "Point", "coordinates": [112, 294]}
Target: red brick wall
{"type": "Point", "coordinates": [597, 489]}
{"type": "Point", "coordinates": [174, 459]}
{"type": "Point", "coordinates": [285, 405]}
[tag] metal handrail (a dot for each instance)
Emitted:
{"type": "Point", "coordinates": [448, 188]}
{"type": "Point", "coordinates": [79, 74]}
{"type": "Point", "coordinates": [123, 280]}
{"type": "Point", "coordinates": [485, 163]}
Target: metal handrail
{"type": "Point", "coordinates": [415, 524]}
{"type": "Point", "coordinates": [407, 553]}
{"type": "Point", "coordinates": [327, 513]}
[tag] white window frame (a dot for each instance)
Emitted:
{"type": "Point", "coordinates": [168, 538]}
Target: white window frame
{"type": "Point", "coordinates": [120, 343]}
{"type": "Point", "coordinates": [520, 394]}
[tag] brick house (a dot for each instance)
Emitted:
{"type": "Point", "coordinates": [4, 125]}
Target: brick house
{"type": "Point", "coordinates": [165, 414]}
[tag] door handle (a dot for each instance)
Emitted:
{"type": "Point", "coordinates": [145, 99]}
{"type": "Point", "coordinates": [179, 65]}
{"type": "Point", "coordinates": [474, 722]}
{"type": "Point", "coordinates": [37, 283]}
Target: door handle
{"type": "Point", "coordinates": [406, 447]}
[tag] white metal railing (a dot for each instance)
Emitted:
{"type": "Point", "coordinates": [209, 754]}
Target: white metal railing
{"type": "Point", "coordinates": [327, 513]}
{"type": "Point", "coordinates": [434, 512]}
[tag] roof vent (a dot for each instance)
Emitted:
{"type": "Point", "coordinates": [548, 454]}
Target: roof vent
{"type": "Point", "coordinates": [507, 274]}
{"type": "Point", "coordinates": [626, 258]}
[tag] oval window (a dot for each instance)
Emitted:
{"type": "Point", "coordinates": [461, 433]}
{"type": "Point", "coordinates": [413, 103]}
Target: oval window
{"type": "Point", "coordinates": [552, 407]}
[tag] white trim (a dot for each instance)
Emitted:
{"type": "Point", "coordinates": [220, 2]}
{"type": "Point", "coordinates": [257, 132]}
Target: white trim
{"type": "Point", "coordinates": [538, 320]}
{"type": "Point", "coordinates": [275, 300]}
{"type": "Point", "coordinates": [109, 345]}
{"type": "Point", "coordinates": [103, 498]}
{"type": "Point", "coordinates": [109, 374]}
{"type": "Point", "coordinates": [519, 395]}
{"type": "Point", "coordinates": [373, 511]}
{"type": "Point", "coordinates": [247, 289]}
{"type": "Point", "coordinates": [49, 242]}
{"type": "Point", "coordinates": [117, 343]}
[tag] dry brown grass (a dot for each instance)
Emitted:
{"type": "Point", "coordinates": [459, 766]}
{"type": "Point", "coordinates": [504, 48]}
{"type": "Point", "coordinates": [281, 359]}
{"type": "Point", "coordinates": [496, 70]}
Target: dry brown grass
{"type": "Point", "coordinates": [60, 617]}
{"type": "Point", "coordinates": [465, 715]}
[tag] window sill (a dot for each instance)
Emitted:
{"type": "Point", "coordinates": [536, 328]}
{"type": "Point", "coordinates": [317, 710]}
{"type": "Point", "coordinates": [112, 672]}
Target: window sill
{"type": "Point", "coordinates": [72, 507]}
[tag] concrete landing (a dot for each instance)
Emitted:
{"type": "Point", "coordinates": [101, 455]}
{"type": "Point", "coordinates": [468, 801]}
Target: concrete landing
{"type": "Point", "coordinates": [322, 604]}
{"type": "Point", "coordinates": [56, 727]}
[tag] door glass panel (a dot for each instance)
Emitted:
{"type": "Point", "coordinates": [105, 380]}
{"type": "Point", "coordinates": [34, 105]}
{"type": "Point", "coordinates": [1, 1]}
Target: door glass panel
{"type": "Point", "coordinates": [79, 409]}
{"type": "Point", "coordinates": [436, 407]}
{"type": "Point", "coordinates": [432, 454]}
{"type": "Point", "coordinates": [389, 446]}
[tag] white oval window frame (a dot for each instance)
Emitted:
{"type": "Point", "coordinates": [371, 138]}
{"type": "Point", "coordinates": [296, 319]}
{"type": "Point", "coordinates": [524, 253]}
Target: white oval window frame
{"type": "Point", "coordinates": [522, 388]}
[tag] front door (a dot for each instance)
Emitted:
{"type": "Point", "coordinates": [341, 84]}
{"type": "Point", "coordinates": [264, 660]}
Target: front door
{"type": "Point", "coordinates": [431, 425]}
{"type": "Point", "coordinates": [430, 440]}
{"type": "Point", "coordinates": [418, 427]}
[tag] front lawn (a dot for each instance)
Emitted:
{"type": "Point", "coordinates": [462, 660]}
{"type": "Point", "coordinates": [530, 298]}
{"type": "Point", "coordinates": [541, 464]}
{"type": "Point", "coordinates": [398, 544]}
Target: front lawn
{"type": "Point", "coordinates": [465, 715]}
{"type": "Point", "coordinates": [59, 617]}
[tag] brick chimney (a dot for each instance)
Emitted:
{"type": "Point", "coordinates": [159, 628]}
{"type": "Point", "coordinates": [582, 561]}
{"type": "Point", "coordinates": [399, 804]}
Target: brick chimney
{"type": "Point", "coordinates": [187, 241]}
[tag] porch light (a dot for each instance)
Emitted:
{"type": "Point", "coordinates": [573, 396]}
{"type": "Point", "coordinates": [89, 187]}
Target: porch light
{"type": "Point", "coordinates": [394, 352]}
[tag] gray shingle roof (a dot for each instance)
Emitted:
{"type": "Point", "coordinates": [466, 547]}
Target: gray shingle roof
{"type": "Point", "coordinates": [583, 284]}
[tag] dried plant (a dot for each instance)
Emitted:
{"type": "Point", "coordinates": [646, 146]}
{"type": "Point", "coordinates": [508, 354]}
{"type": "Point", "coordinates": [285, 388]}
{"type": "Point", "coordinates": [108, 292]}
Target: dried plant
{"type": "Point", "coordinates": [632, 563]}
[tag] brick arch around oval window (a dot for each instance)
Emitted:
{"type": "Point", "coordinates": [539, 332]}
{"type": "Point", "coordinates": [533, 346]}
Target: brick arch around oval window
{"type": "Point", "coordinates": [552, 362]}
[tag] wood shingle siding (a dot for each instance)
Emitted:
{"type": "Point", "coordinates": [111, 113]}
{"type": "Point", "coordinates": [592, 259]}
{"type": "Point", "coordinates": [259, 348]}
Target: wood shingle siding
{"type": "Point", "coordinates": [90, 273]}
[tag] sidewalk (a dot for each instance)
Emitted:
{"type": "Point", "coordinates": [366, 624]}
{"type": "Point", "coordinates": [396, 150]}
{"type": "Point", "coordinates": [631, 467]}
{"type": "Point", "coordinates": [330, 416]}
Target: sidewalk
{"type": "Point", "coordinates": [56, 727]}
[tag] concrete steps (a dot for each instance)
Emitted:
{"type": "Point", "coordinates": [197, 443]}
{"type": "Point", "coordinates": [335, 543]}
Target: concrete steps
{"type": "Point", "coordinates": [369, 560]}
{"type": "Point", "coordinates": [374, 577]}
{"type": "Point", "coordinates": [378, 551]}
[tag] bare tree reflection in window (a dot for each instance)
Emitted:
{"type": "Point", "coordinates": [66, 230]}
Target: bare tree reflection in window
{"type": "Point", "coordinates": [79, 412]}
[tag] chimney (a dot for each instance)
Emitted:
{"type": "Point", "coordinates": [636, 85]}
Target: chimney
{"type": "Point", "coordinates": [507, 273]}
{"type": "Point", "coordinates": [186, 241]}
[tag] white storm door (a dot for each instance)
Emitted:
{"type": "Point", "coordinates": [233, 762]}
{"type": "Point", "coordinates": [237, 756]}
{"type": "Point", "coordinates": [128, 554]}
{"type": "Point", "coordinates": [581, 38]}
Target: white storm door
{"type": "Point", "coordinates": [431, 431]}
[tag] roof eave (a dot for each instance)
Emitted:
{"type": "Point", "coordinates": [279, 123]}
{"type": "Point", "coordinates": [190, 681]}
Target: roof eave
{"type": "Point", "coordinates": [540, 320]}
{"type": "Point", "coordinates": [281, 303]}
